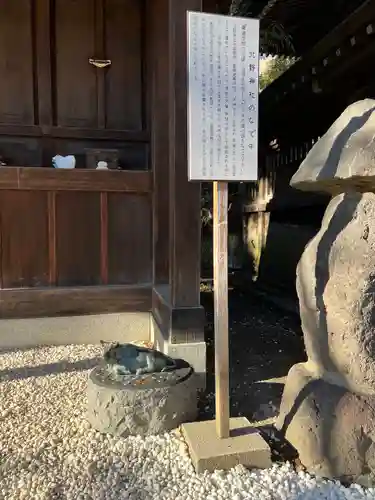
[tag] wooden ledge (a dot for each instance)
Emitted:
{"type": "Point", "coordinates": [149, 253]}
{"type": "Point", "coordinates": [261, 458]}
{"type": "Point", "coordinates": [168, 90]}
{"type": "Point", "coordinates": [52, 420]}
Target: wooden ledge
{"type": "Point", "coordinates": [46, 302]}
{"type": "Point", "coordinates": [52, 179]}
{"type": "Point", "coordinates": [126, 136]}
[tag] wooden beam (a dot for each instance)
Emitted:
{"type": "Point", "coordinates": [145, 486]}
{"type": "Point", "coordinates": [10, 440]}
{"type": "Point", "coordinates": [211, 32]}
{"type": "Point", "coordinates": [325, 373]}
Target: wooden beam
{"type": "Point", "coordinates": [52, 179]}
{"type": "Point", "coordinates": [104, 238]}
{"type": "Point", "coordinates": [335, 40]}
{"type": "Point", "coordinates": [185, 223]}
{"type": "Point", "coordinates": [75, 133]}
{"type": "Point", "coordinates": [161, 75]}
{"type": "Point", "coordinates": [100, 54]}
{"type": "Point", "coordinates": [42, 21]}
{"type": "Point", "coordinates": [52, 256]}
{"type": "Point", "coordinates": [176, 202]}
{"type": "Point", "coordinates": [48, 302]}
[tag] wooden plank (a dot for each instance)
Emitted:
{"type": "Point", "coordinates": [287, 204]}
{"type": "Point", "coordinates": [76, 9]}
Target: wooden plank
{"type": "Point", "coordinates": [20, 130]}
{"type": "Point", "coordinates": [75, 133]}
{"type": "Point", "coordinates": [52, 237]}
{"type": "Point", "coordinates": [108, 134]}
{"type": "Point", "coordinates": [9, 178]}
{"type": "Point", "coordinates": [124, 86]}
{"type": "Point", "coordinates": [78, 238]}
{"type": "Point", "coordinates": [104, 238]}
{"type": "Point", "coordinates": [47, 302]}
{"type": "Point", "coordinates": [51, 179]}
{"type": "Point", "coordinates": [100, 54]}
{"type": "Point", "coordinates": [16, 63]}
{"type": "Point", "coordinates": [76, 105]}
{"type": "Point", "coordinates": [129, 239]}
{"type": "Point", "coordinates": [86, 180]}
{"type": "Point", "coordinates": [220, 256]}
{"type": "Point", "coordinates": [147, 63]}
{"type": "Point", "coordinates": [24, 239]}
{"type": "Point", "coordinates": [158, 38]}
{"type": "Point", "coordinates": [43, 61]}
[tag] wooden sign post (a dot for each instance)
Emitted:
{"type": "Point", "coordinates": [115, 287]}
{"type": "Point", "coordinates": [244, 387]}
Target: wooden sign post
{"type": "Point", "coordinates": [220, 262]}
{"type": "Point", "coordinates": [223, 70]}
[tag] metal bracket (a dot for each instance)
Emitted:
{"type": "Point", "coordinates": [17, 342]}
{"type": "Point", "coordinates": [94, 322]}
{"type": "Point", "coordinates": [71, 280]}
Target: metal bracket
{"type": "Point", "coordinates": [100, 63]}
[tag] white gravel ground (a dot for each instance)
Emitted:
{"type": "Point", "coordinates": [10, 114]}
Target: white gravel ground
{"type": "Point", "coordinates": [48, 451]}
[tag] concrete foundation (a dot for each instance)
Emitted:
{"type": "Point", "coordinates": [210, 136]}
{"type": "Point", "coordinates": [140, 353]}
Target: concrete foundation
{"type": "Point", "coordinates": [88, 329]}
{"type": "Point", "coordinates": [193, 352]}
{"type": "Point", "coordinates": [245, 446]}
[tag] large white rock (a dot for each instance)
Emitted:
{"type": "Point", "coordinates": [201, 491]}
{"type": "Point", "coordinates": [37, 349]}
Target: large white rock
{"type": "Point", "coordinates": [328, 406]}
{"type": "Point", "coordinates": [336, 291]}
{"type": "Point", "coordinates": [332, 428]}
{"type": "Point", "coordinates": [344, 158]}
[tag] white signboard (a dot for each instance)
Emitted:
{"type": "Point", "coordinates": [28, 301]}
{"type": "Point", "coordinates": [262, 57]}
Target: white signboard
{"type": "Point", "coordinates": [223, 70]}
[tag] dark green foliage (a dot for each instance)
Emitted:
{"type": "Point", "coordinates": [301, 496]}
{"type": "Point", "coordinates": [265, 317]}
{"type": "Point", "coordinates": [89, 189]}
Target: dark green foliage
{"type": "Point", "coordinates": [273, 36]}
{"type": "Point", "coordinates": [275, 68]}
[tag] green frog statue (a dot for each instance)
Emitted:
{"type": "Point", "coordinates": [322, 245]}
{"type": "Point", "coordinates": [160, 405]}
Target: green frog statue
{"type": "Point", "coordinates": [123, 360]}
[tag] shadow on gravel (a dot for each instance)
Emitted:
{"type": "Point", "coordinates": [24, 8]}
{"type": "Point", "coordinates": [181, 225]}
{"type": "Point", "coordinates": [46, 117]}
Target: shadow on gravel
{"type": "Point", "coordinates": [47, 369]}
{"type": "Point", "coordinates": [265, 342]}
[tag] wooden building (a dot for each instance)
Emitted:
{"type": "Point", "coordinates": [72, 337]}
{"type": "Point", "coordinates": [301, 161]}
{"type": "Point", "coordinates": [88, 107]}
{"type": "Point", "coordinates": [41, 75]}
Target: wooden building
{"type": "Point", "coordinates": [334, 42]}
{"type": "Point", "coordinates": [84, 253]}
{"type": "Point", "coordinates": [295, 110]}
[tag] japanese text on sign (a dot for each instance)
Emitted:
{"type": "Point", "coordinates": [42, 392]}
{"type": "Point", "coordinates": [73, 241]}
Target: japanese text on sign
{"type": "Point", "coordinates": [223, 70]}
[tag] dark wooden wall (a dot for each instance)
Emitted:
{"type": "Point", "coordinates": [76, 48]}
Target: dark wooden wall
{"type": "Point", "coordinates": [78, 234]}
{"type": "Point", "coordinates": [65, 230]}
{"type": "Point", "coordinates": [52, 100]}
{"type": "Point", "coordinates": [77, 241]}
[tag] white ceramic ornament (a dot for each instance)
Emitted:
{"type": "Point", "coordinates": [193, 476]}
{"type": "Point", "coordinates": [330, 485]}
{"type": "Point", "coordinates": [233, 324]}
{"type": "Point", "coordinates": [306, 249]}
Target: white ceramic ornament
{"type": "Point", "coordinates": [59, 161]}
{"type": "Point", "coordinates": [102, 165]}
